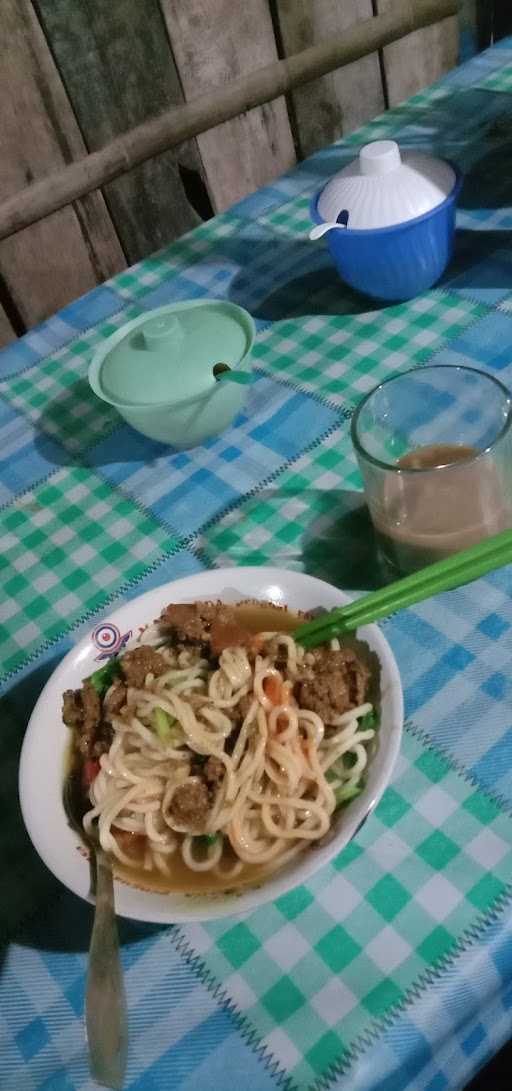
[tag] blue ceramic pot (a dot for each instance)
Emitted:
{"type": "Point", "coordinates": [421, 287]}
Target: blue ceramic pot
{"type": "Point", "coordinates": [398, 262]}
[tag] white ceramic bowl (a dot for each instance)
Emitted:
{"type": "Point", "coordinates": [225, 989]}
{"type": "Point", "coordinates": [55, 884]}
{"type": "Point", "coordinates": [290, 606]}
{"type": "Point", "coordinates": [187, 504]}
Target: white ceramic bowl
{"type": "Point", "coordinates": [46, 740]}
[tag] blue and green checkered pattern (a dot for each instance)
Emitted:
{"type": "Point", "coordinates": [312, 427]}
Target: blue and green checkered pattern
{"type": "Point", "coordinates": [321, 967]}
{"type": "Point", "coordinates": [392, 968]}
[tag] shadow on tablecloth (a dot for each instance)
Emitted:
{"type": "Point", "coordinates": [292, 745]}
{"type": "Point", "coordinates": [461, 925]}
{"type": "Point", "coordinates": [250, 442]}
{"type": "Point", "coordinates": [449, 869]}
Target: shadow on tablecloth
{"type": "Point", "coordinates": [325, 532]}
{"type": "Point", "coordinates": [35, 909]}
{"type": "Point", "coordinates": [342, 551]}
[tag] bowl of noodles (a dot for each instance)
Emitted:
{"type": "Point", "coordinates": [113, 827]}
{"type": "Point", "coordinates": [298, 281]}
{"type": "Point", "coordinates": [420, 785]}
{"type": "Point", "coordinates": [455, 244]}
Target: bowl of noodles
{"type": "Point", "coordinates": [218, 762]}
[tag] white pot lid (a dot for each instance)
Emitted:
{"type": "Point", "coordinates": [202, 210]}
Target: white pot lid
{"type": "Point", "coordinates": [385, 186]}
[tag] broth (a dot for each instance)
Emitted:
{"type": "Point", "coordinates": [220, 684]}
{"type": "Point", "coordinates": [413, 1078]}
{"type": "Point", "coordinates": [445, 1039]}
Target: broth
{"type": "Point", "coordinates": [183, 880]}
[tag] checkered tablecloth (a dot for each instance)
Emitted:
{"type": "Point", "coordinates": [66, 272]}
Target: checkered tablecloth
{"type": "Point", "coordinates": [392, 968]}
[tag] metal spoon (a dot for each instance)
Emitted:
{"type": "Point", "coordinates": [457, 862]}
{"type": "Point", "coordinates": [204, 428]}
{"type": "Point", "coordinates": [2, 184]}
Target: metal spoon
{"type": "Point", "coordinates": [105, 999]}
{"type": "Point", "coordinates": [223, 373]}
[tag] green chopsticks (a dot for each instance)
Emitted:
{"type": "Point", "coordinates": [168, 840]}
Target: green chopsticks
{"type": "Point", "coordinates": [444, 575]}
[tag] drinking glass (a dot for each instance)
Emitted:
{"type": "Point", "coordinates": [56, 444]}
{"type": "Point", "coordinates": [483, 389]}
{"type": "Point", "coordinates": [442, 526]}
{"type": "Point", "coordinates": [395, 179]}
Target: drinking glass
{"type": "Point", "coordinates": [434, 447]}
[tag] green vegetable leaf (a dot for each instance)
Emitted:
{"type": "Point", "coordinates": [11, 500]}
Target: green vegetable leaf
{"type": "Point", "coordinates": [369, 721]}
{"type": "Point", "coordinates": [102, 679]}
{"type": "Point", "coordinates": [349, 759]}
{"type": "Point", "coordinates": [343, 794]}
{"type": "Point", "coordinates": [166, 727]}
{"type": "Point", "coordinates": [207, 839]}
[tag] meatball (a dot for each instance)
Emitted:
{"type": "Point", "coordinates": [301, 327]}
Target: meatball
{"type": "Point", "coordinates": [333, 684]}
{"type": "Point", "coordinates": [191, 621]}
{"type": "Point", "coordinates": [72, 708]}
{"type": "Point", "coordinates": [140, 662]}
{"type": "Point", "coordinates": [190, 804]}
{"type": "Point", "coordinates": [81, 710]}
{"type": "Point", "coordinates": [91, 706]}
{"type": "Point", "coordinates": [211, 624]}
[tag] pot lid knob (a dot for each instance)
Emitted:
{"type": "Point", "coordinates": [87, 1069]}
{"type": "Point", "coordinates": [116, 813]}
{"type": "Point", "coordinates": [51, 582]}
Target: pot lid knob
{"type": "Point", "coordinates": [381, 157]}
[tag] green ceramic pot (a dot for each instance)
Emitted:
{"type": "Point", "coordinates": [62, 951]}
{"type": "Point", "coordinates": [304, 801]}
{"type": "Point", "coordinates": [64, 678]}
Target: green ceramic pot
{"type": "Point", "coordinates": [157, 370]}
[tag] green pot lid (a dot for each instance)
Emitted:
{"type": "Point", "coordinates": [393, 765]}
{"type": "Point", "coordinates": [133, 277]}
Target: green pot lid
{"type": "Point", "coordinates": [168, 355]}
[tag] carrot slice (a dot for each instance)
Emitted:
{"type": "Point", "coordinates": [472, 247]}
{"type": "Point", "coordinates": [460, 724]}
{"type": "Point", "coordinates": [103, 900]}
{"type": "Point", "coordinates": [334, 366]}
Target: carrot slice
{"type": "Point", "coordinates": [273, 688]}
{"type": "Point", "coordinates": [90, 770]}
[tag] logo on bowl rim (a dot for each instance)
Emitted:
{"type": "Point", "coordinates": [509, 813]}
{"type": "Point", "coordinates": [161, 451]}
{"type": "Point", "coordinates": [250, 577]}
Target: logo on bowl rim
{"type": "Point", "coordinates": [108, 640]}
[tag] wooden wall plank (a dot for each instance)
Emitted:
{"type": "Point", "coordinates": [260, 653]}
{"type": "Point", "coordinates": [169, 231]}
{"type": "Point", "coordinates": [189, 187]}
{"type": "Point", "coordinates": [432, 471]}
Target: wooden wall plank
{"type": "Point", "coordinates": [476, 24]}
{"type": "Point", "coordinates": [7, 333]}
{"type": "Point", "coordinates": [214, 41]}
{"type": "Point", "coordinates": [53, 262]}
{"type": "Point", "coordinates": [118, 69]}
{"type": "Point", "coordinates": [420, 58]}
{"type": "Point", "coordinates": [167, 130]}
{"type": "Point", "coordinates": [341, 101]}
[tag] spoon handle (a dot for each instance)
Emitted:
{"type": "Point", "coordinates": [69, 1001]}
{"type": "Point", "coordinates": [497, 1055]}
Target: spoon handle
{"type": "Point", "coordinates": [241, 377]}
{"type": "Point", "coordinates": [321, 229]}
{"type": "Point", "coordinates": [223, 373]}
{"type": "Point", "coordinates": [105, 1000]}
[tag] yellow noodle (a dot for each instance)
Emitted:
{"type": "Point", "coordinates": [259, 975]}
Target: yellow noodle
{"type": "Point", "coordinates": [274, 796]}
